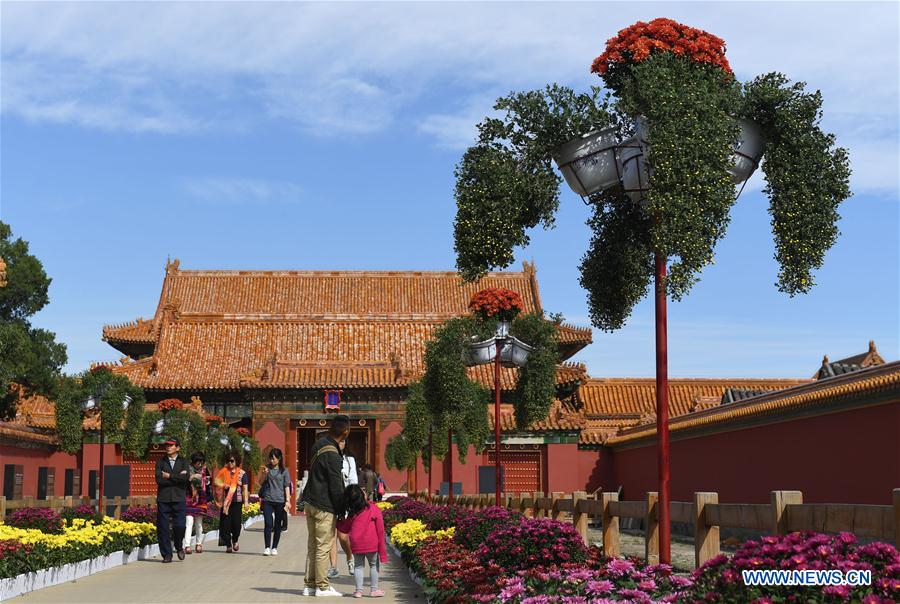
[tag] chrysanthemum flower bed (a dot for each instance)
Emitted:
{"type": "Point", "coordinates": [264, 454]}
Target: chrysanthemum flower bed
{"type": "Point", "coordinates": [537, 561]}
{"type": "Point", "coordinates": [25, 550]}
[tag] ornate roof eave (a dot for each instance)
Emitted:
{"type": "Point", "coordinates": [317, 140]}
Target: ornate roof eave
{"type": "Point", "coordinates": [780, 405]}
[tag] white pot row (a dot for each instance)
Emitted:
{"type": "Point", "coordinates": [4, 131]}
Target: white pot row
{"type": "Point", "coordinates": [47, 577]}
{"type": "Point", "coordinates": [252, 520]}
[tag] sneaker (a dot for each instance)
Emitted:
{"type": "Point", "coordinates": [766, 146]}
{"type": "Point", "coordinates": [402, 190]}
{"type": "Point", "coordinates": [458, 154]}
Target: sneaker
{"type": "Point", "coordinates": [357, 594]}
{"type": "Point", "coordinates": [308, 591]}
{"type": "Point", "coordinates": [376, 593]}
{"type": "Point", "coordinates": [333, 572]}
{"type": "Point", "coordinates": [274, 551]}
{"type": "Point", "coordinates": [328, 593]}
{"type": "Point", "coordinates": [267, 552]}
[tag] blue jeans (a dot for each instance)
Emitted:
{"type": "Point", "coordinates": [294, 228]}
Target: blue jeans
{"type": "Point", "coordinates": [273, 513]}
{"type": "Point", "coordinates": [176, 511]}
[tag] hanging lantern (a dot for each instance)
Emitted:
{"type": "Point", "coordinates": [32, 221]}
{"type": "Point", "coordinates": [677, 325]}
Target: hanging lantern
{"type": "Point", "coordinates": [126, 401]}
{"type": "Point", "coordinates": [748, 150]}
{"type": "Point", "coordinates": [159, 427]}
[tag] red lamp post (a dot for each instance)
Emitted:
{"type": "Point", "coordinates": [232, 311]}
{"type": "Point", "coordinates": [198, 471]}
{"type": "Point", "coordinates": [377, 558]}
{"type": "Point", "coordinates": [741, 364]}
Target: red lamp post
{"type": "Point", "coordinates": [499, 341]}
{"type": "Point", "coordinates": [662, 410]}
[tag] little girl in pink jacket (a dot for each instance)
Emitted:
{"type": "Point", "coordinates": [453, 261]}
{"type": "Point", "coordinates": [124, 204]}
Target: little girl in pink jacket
{"type": "Point", "coordinates": [365, 525]}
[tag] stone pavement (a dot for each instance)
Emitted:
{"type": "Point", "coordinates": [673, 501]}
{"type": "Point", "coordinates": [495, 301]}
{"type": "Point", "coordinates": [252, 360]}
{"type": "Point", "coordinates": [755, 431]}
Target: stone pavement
{"type": "Point", "coordinates": [214, 576]}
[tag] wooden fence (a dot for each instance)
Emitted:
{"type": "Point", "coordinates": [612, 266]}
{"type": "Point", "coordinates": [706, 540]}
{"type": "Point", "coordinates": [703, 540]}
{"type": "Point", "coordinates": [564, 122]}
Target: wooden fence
{"type": "Point", "coordinates": [58, 503]}
{"type": "Point", "coordinates": [785, 513]}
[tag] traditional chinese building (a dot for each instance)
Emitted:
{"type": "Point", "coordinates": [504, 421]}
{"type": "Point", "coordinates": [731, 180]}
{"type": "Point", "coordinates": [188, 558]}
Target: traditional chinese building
{"type": "Point", "coordinates": [280, 350]}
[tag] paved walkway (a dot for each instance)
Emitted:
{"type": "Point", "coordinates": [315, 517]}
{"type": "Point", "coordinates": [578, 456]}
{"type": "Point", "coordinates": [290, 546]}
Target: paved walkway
{"type": "Point", "coordinates": [214, 576]}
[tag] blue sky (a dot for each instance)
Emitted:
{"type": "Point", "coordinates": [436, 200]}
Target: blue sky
{"type": "Point", "coordinates": [324, 136]}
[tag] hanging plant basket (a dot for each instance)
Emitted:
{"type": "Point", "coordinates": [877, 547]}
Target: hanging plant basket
{"type": "Point", "coordinates": [514, 352]}
{"type": "Point", "coordinates": [748, 150]}
{"type": "Point", "coordinates": [589, 163]}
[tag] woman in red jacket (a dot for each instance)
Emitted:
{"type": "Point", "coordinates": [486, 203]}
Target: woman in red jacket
{"type": "Point", "coordinates": [365, 526]}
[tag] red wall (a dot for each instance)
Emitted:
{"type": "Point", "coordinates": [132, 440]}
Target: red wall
{"type": "Point", "coordinates": [569, 469]}
{"type": "Point", "coordinates": [848, 457]}
{"type": "Point", "coordinates": [32, 459]}
{"type": "Point", "coordinates": [393, 478]}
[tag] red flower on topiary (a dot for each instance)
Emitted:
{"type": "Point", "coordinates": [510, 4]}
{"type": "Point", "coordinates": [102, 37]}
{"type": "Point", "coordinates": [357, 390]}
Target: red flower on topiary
{"type": "Point", "coordinates": [169, 404]}
{"type": "Point", "coordinates": [243, 431]}
{"type": "Point", "coordinates": [637, 42]}
{"type": "Point", "coordinates": [496, 302]}
{"type": "Point", "coordinates": [215, 419]}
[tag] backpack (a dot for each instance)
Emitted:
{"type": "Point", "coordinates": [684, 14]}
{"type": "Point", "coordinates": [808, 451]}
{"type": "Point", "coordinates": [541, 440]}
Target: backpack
{"type": "Point", "coordinates": [380, 486]}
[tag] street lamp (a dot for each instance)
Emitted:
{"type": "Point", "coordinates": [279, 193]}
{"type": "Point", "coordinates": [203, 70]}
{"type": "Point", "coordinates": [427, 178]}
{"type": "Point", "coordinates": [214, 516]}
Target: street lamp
{"type": "Point", "coordinates": [503, 349]}
{"type": "Point", "coordinates": [94, 402]}
{"type": "Point", "coordinates": [596, 163]}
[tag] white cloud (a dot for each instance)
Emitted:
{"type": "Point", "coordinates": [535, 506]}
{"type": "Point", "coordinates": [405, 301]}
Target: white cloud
{"type": "Point", "coordinates": [237, 191]}
{"type": "Point", "coordinates": [348, 68]}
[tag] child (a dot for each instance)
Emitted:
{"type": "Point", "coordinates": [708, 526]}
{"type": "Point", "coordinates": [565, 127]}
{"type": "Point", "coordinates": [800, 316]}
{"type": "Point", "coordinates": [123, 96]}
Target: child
{"type": "Point", "coordinates": [365, 526]}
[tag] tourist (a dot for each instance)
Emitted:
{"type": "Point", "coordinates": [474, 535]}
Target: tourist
{"type": "Point", "coordinates": [232, 483]}
{"type": "Point", "coordinates": [275, 495]}
{"type": "Point", "coordinates": [351, 476]}
{"type": "Point", "coordinates": [365, 526]}
{"type": "Point", "coordinates": [324, 500]}
{"type": "Point", "coordinates": [367, 481]}
{"type": "Point", "coordinates": [172, 474]}
{"type": "Point", "coordinates": [199, 494]}
{"type": "Point", "coordinates": [380, 487]}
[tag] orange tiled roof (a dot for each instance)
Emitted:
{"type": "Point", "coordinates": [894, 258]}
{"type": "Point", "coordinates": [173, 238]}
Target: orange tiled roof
{"type": "Point", "coordinates": [604, 397]}
{"type": "Point", "coordinates": [204, 354]}
{"type": "Point", "coordinates": [875, 379]}
{"type": "Point", "coordinates": [561, 417]}
{"type": "Point", "coordinates": [16, 431]}
{"type": "Point", "coordinates": [140, 330]}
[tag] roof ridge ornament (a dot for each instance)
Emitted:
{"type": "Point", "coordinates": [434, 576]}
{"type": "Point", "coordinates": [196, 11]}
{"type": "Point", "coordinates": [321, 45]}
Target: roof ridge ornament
{"type": "Point", "coordinates": [172, 265]}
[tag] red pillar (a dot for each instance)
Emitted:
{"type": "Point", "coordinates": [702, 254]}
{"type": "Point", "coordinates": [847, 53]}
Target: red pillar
{"type": "Point", "coordinates": [499, 345]}
{"type": "Point", "coordinates": [662, 411]}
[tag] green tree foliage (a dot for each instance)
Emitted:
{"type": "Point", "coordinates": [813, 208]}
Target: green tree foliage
{"type": "Point", "coordinates": [29, 356]}
{"type": "Point", "coordinates": [120, 425]}
{"type": "Point", "coordinates": [505, 183]}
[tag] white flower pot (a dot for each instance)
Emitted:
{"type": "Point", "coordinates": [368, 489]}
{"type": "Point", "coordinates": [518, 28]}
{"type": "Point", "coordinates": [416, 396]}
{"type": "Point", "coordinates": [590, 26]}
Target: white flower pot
{"type": "Point", "coordinates": [748, 150]}
{"type": "Point", "coordinates": [130, 556]}
{"type": "Point", "coordinates": [589, 163]}
{"type": "Point", "coordinates": [635, 174]}
{"type": "Point", "coordinates": [211, 536]}
{"type": "Point", "coordinates": [12, 586]}
{"type": "Point", "coordinates": [480, 353]}
{"type": "Point", "coordinates": [514, 352]}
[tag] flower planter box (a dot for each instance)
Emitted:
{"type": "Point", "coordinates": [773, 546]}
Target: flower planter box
{"type": "Point", "coordinates": [47, 577]}
{"type": "Point", "coordinates": [149, 551]}
{"type": "Point", "coordinates": [211, 536]}
{"type": "Point", "coordinates": [130, 556]}
{"type": "Point", "coordinates": [251, 521]}
{"type": "Point", "coordinates": [589, 163]}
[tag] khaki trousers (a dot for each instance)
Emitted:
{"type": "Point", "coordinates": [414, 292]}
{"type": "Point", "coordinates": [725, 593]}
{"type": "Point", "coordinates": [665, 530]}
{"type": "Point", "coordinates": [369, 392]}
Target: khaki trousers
{"type": "Point", "coordinates": [320, 525]}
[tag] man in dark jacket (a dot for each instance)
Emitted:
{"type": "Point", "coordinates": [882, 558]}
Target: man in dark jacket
{"type": "Point", "coordinates": [172, 477]}
{"type": "Point", "coordinates": [323, 500]}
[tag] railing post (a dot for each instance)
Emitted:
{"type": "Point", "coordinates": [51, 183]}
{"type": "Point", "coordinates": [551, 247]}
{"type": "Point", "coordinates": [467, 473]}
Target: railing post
{"type": "Point", "coordinates": [896, 517]}
{"type": "Point", "coordinates": [537, 512]}
{"type": "Point", "coordinates": [117, 501]}
{"type": "Point", "coordinates": [610, 526]}
{"type": "Point", "coordinates": [554, 511]}
{"type": "Point", "coordinates": [29, 501]}
{"type": "Point", "coordinates": [706, 537]}
{"type": "Point", "coordinates": [3, 506]}
{"type": "Point", "coordinates": [579, 518]}
{"type": "Point", "coordinates": [780, 501]}
{"type": "Point", "coordinates": [651, 536]}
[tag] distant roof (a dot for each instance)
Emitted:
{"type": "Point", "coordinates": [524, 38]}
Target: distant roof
{"type": "Point", "coordinates": [805, 398]}
{"type": "Point", "coordinates": [850, 364]}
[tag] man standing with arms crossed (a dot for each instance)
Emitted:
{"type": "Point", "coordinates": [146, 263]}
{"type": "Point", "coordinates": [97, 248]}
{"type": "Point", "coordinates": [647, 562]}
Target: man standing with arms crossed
{"type": "Point", "coordinates": [324, 500]}
{"type": "Point", "coordinates": [172, 477]}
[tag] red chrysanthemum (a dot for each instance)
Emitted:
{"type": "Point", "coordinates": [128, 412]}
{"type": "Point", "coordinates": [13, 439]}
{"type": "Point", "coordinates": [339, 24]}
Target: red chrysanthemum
{"type": "Point", "coordinates": [639, 41]}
